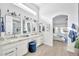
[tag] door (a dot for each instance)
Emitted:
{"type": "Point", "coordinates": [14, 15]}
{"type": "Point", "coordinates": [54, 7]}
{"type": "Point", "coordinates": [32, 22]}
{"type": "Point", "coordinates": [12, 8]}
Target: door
{"type": "Point", "coordinates": [22, 47]}
{"type": "Point", "coordinates": [48, 37]}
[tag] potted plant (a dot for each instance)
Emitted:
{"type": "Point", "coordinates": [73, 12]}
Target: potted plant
{"type": "Point", "coordinates": [77, 46]}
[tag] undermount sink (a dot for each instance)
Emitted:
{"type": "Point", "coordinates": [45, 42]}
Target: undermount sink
{"type": "Point", "coordinates": [12, 37]}
{"type": "Point", "coordinates": [25, 36]}
{"type": "Point", "coordinates": [1, 39]}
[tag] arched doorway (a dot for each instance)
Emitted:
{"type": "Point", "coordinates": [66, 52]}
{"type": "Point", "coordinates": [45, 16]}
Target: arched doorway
{"type": "Point", "coordinates": [60, 23]}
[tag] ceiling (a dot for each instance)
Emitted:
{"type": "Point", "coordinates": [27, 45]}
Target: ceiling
{"type": "Point", "coordinates": [49, 10]}
{"type": "Point", "coordinates": [60, 21]}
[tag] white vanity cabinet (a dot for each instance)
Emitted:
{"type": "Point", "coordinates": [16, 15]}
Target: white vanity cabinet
{"type": "Point", "coordinates": [22, 47]}
{"type": "Point", "coordinates": [39, 40]}
{"type": "Point", "coordinates": [14, 49]}
{"type": "Point", "coordinates": [8, 50]}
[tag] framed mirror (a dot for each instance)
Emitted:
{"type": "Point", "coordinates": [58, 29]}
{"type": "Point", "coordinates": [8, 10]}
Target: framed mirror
{"type": "Point", "coordinates": [40, 27]}
{"type": "Point", "coordinates": [34, 26]}
{"type": "Point", "coordinates": [13, 25]}
{"type": "Point", "coordinates": [16, 27]}
{"type": "Point", "coordinates": [43, 28]}
{"type": "Point", "coordinates": [26, 26]}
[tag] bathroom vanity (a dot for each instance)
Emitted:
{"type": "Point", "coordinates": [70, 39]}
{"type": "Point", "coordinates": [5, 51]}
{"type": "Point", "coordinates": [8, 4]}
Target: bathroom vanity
{"type": "Point", "coordinates": [18, 33]}
{"type": "Point", "coordinates": [18, 46]}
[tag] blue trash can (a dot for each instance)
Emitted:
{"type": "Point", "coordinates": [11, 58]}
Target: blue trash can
{"type": "Point", "coordinates": [32, 46]}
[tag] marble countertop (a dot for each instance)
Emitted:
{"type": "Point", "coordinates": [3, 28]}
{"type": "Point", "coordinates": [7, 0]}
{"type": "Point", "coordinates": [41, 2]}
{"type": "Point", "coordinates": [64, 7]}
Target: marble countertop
{"type": "Point", "coordinates": [12, 40]}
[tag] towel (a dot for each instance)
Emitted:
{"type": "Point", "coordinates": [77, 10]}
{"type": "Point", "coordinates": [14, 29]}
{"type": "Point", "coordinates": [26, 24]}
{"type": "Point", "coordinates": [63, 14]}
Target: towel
{"type": "Point", "coordinates": [72, 35]}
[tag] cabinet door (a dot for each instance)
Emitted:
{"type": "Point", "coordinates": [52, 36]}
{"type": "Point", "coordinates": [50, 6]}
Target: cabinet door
{"type": "Point", "coordinates": [22, 48]}
{"type": "Point", "coordinates": [9, 50]}
{"type": "Point", "coordinates": [39, 40]}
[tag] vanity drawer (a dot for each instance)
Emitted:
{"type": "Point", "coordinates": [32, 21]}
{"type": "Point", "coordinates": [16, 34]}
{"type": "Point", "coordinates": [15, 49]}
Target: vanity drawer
{"type": "Point", "coordinates": [22, 47]}
{"type": "Point", "coordinates": [9, 49]}
{"type": "Point", "coordinates": [9, 46]}
{"type": "Point", "coordinates": [39, 40]}
{"type": "Point", "coordinates": [9, 52]}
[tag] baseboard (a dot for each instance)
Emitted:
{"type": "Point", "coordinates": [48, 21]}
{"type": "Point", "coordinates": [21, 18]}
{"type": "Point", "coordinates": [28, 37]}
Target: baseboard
{"type": "Point", "coordinates": [59, 40]}
{"type": "Point", "coordinates": [70, 50]}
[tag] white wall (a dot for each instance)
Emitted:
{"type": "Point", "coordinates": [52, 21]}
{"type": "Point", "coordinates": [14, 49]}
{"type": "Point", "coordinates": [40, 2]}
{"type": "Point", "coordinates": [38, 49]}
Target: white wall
{"type": "Point", "coordinates": [47, 35]}
{"type": "Point", "coordinates": [50, 10]}
{"type": "Point", "coordinates": [13, 8]}
{"type": "Point", "coordinates": [33, 7]}
{"type": "Point", "coordinates": [60, 21]}
{"type": "Point", "coordinates": [78, 14]}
